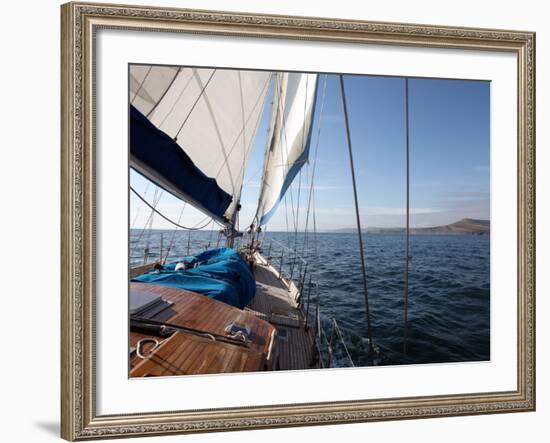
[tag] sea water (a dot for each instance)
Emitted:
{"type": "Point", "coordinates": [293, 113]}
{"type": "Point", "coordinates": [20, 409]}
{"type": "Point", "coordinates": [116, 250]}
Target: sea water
{"type": "Point", "coordinates": [448, 293]}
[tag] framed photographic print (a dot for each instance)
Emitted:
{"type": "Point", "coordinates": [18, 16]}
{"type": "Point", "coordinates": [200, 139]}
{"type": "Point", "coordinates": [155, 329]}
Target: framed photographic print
{"type": "Point", "coordinates": [280, 221]}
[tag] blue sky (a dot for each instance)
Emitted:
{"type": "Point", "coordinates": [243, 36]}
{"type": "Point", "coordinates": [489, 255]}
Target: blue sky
{"type": "Point", "coordinates": [449, 157]}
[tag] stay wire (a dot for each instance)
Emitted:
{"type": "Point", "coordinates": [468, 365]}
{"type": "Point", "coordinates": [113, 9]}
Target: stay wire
{"type": "Point", "coordinates": [357, 216]}
{"type": "Point", "coordinates": [187, 228]}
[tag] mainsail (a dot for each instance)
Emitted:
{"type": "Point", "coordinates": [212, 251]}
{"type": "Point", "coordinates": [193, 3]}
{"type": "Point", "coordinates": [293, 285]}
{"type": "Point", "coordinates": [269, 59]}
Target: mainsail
{"type": "Point", "coordinates": [211, 115]}
{"type": "Point", "coordinates": [289, 138]}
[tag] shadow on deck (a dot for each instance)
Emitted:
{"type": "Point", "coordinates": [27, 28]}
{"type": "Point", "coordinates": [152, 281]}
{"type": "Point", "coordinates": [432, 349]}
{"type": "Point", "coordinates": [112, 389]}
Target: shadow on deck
{"type": "Point", "coordinates": [275, 303]}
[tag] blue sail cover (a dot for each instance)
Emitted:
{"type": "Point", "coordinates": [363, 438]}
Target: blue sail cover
{"type": "Point", "coordinates": [170, 167]}
{"type": "Point", "coordinates": [220, 274]}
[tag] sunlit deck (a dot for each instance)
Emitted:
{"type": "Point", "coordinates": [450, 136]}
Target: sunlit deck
{"type": "Point", "coordinates": [187, 353]}
{"type": "Point", "coordinates": [280, 338]}
{"type": "Point", "coordinates": [275, 302]}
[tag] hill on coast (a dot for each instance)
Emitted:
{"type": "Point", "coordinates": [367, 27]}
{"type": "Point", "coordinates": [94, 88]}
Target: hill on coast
{"type": "Point", "coordinates": [466, 226]}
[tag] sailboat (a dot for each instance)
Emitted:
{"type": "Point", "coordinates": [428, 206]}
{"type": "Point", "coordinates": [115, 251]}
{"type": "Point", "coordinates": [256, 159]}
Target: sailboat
{"type": "Point", "coordinates": [231, 308]}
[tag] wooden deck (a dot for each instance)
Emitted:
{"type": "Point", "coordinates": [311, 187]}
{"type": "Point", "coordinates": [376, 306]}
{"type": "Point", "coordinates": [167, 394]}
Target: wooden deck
{"type": "Point", "coordinates": [279, 339]}
{"type": "Point", "coordinates": [184, 353]}
{"type": "Point", "coordinates": [274, 302]}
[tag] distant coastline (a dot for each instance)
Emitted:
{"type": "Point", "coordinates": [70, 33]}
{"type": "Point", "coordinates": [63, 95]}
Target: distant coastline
{"type": "Point", "coordinates": [466, 226]}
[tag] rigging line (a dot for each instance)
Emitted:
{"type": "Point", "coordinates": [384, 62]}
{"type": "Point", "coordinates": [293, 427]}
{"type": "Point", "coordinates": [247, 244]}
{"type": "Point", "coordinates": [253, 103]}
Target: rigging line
{"type": "Point", "coordinates": [315, 227]}
{"type": "Point", "coordinates": [164, 93]}
{"type": "Point", "coordinates": [177, 100]}
{"type": "Point", "coordinates": [220, 141]}
{"type": "Point", "coordinates": [282, 129]}
{"type": "Point", "coordinates": [174, 234]}
{"type": "Point", "coordinates": [187, 228]}
{"type": "Point", "coordinates": [196, 100]}
{"type": "Point", "coordinates": [155, 203]}
{"type": "Point", "coordinates": [286, 216]}
{"type": "Point", "coordinates": [245, 150]}
{"type": "Point", "coordinates": [291, 193]}
{"type": "Point", "coordinates": [253, 176]}
{"type": "Point", "coordinates": [269, 134]}
{"type": "Point", "coordinates": [305, 111]}
{"type": "Point", "coordinates": [210, 237]}
{"type": "Point", "coordinates": [285, 163]}
{"type": "Point", "coordinates": [149, 224]}
{"type": "Point", "coordinates": [243, 166]}
{"type": "Point", "coordinates": [296, 224]}
{"type": "Point", "coordinates": [147, 221]}
{"type": "Point", "coordinates": [358, 218]}
{"type": "Point", "coordinates": [315, 155]}
{"type": "Point", "coordinates": [407, 244]}
{"type": "Point", "coordinates": [284, 144]}
{"type": "Point", "coordinates": [308, 184]}
{"type": "Point", "coordinates": [141, 84]}
{"type": "Point", "coordinates": [243, 128]}
{"type": "Point", "coordinates": [139, 207]}
{"type": "Point", "coordinates": [300, 178]}
{"type": "Point", "coordinates": [249, 148]}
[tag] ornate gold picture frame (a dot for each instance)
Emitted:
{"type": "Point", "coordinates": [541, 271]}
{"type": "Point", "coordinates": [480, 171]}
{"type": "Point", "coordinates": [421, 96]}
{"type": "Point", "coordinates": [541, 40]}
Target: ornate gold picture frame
{"type": "Point", "coordinates": [80, 23]}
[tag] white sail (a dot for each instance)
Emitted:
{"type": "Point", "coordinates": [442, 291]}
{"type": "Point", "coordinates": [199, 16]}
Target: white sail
{"type": "Point", "coordinates": [148, 84]}
{"type": "Point", "coordinates": [213, 115]}
{"type": "Point", "coordinates": [289, 138]}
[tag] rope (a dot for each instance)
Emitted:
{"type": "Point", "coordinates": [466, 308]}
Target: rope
{"type": "Point", "coordinates": [297, 221]}
{"type": "Point", "coordinates": [139, 208]}
{"type": "Point", "coordinates": [166, 328]}
{"type": "Point", "coordinates": [138, 90]}
{"type": "Point", "coordinates": [150, 221]}
{"type": "Point", "coordinates": [315, 227]}
{"type": "Point", "coordinates": [286, 217]}
{"type": "Point", "coordinates": [407, 243]}
{"type": "Point", "coordinates": [176, 101]}
{"type": "Point", "coordinates": [140, 343]}
{"type": "Point", "coordinates": [155, 203]}
{"type": "Point", "coordinates": [358, 218]}
{"type": "Point", "coordinates": [339, 333]}
{"type": "Point", "coordinates": [194, 104]}
{"type": "Point", "coordinates": [164, 93]}
{"type": "Point", "coordinates": [187, 228]}
{"type": "Point", "coordinates": [309, 179]}
{"type": "Point", "coordinates": [174, 234]}
{"type": "Point", "coordinates": [315, 161]}
{"type": "Point", "coordinates": [242, 132]}
{"type": "Point", "coordinates": [210, 238]}
{"type": "Point", "coordinates": [218, 133]}
{"type": "Point", "coordinates": [270, 130]}
{"type": "Point", "coordinates": [247, 149]}
{"type": "Point", "coordinates": [300, 174]}
{"type": "Point", "coordinates": [284, 162]}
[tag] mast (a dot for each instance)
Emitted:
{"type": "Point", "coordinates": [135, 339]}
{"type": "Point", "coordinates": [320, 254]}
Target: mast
{"type": "Point", "coordinates": [289, 139]}
{"type": "Point", "coordinates": [357, 217]}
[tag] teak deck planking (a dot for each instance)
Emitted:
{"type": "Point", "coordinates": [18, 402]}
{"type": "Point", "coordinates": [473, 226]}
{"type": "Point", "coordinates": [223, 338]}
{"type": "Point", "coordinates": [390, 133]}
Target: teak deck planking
{"type": "Point", "coordinates": [184, 353]}
{"type": "Point", "coordinates": [273, 295]}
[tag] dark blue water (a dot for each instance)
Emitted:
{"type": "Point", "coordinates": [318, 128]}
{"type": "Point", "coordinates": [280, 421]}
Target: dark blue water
{"type": "Point", "coordinates": [449, 290]}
